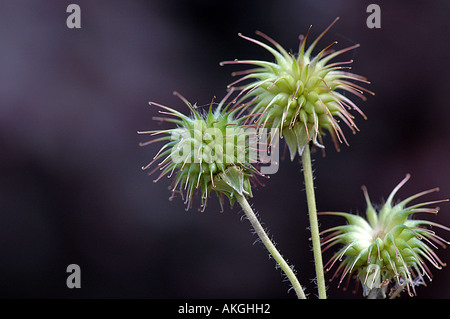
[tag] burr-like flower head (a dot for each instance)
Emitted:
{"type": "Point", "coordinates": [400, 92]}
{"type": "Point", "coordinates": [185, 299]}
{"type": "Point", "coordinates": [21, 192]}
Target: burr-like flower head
{"type": "Point", "coordinates": [389, 248]}
{"type": "Point", "coordinates": [301, 95]}
{"type": "Point", "coordinates": [206, 151]}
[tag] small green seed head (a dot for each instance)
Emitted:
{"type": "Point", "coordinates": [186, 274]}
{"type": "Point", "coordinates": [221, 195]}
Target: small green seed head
{"type": "Point", "coordinates": [301, 95]}
{"type": "Point", "coordinates": [387, 249]}
{"type": "Point", "coordinates": [206, 151]}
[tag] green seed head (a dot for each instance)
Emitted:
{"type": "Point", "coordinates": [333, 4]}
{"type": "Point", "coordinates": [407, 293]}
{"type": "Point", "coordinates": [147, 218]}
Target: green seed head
{"type": "Point", "coordinates": [388, 248]}
{"type": "Point", "coordinates": [206, 151]}
{"type": "Point", "coordinates": [301, 95]}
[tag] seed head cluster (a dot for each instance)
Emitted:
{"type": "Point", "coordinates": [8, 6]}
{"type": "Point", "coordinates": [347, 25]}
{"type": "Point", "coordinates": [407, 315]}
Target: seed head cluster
{"type": "Point", "coordinates": [301, 95]}
{"type": "Point", "coordinates": [389, 248]}
{"type": "Point", "coordinates": [206, 151]}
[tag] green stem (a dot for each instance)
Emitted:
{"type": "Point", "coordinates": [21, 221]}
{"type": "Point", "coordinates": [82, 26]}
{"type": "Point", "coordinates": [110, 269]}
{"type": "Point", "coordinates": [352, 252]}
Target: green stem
{"type": "Point", "coordinates": [270, 246]}
{"type": "Point", "coordinates": [308, 175]}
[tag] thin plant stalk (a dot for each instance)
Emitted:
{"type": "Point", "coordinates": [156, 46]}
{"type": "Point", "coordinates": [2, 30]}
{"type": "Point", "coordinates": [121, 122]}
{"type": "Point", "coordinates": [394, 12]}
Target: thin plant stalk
{"type": "Point", "coordinates": [314, 225]}
{"type": "Point", "coordinates": [270, 246]}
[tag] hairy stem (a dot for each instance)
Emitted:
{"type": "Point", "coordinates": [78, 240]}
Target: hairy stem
{"type": "Point", "coordinates": [308, 175]}
{"type": "Point", "coordinates": [270, 246]}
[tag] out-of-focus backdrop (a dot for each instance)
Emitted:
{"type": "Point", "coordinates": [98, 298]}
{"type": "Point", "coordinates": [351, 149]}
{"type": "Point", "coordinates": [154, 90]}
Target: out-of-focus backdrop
{"type": "Point", "coordinates": [71, 100]}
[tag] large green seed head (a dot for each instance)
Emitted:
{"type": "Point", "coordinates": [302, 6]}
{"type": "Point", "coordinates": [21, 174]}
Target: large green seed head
{"type": "Point", "coordinates": [301, 95]}
{"type": "Point", "coordinates": [206, 151]}
{"type": "Point", "coordinates": [388, 248]}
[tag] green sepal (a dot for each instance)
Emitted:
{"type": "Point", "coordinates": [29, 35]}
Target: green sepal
{"type": "Point", "coordinates": [230, 181]}
{"type": "Point", "coordinates": [303, 137]}
{"type": "Point", "coordinates": [297, 138]}
{"type": "Point", "coordinates": [291, 141]}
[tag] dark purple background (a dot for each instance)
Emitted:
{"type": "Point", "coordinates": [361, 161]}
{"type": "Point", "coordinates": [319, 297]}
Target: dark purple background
{"type": "Point", "coordinates": [71, 101]}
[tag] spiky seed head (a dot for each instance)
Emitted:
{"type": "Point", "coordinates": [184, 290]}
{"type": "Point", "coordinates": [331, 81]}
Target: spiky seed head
{"type": "Point", "coordinates": [388, 249]}
{"type": "Point", "coordinates": [206, 151]}
{"type": "Point", "coordinates": [301, 95]}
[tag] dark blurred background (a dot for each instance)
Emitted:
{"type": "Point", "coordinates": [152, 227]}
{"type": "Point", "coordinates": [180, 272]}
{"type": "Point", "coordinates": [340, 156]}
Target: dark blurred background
{"type": "Point", "coordinates": [71, 100]}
